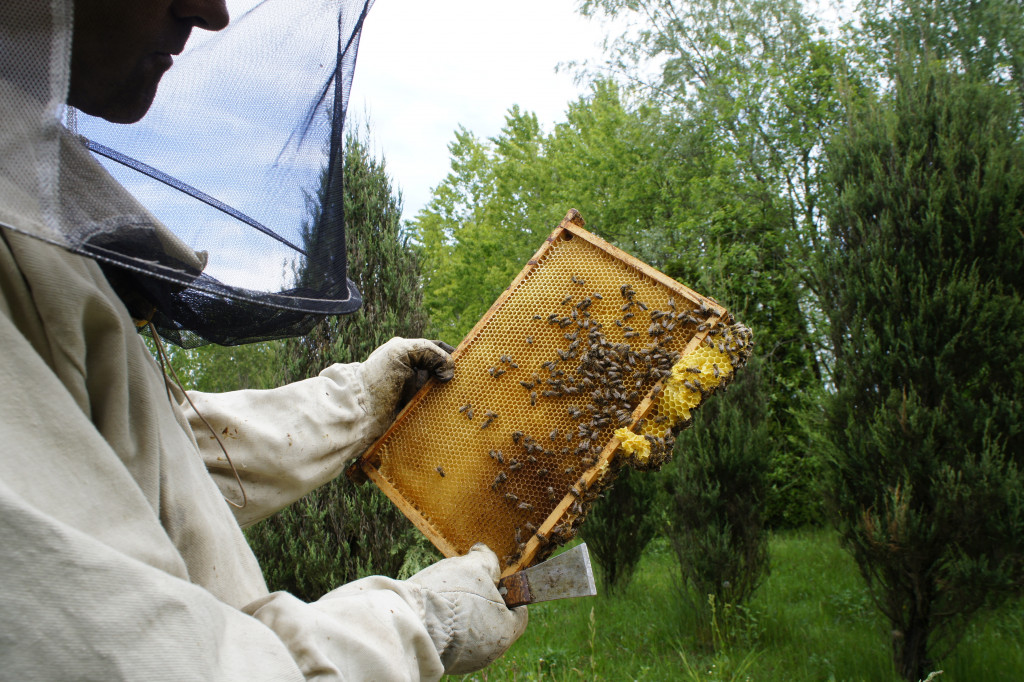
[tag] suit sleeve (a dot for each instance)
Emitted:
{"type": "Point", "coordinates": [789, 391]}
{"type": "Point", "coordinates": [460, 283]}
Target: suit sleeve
{"type": "Point", "coordinates": [283, 442]}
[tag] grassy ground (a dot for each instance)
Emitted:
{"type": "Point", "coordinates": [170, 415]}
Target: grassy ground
{"type": "Point", "coordinates": [811, 620]}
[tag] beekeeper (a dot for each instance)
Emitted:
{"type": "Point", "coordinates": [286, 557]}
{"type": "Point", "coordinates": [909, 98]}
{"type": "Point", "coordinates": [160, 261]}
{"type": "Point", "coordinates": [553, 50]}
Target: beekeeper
{"type": "Point", "coordinates": [121, 557]}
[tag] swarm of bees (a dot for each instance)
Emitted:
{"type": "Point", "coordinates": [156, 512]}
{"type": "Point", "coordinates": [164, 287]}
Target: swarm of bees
{"type": "Point", "coordinates": [605, 383]}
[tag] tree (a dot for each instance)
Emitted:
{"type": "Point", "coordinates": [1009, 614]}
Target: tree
{"type": "Point", "coordinates": [716, 487]}
{"type": "Point", "coordinates": [984, 40]}
{"type": "Point", "coordinates": [341, 532]}
{"type": "Point", "coordinates": [924, 431]}
{"type": "Point", "coordinates": [620, 526]}
{"type": "Point", "coordinates": [748, 93]}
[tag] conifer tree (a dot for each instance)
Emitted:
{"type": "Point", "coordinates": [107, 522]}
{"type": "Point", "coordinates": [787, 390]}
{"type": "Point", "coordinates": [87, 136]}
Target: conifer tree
{"type": "Point", "coordinates": [342, 531]}
{"type": "Point", "coordinates": [716, 488]}
{"type": "Point", "coordinates": [922, 282]}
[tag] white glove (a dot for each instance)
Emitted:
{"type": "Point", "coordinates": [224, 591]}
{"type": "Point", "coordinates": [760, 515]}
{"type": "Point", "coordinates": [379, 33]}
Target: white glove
{"type": "Point", "coordinates": [466, 616]}
{"type": "Point", "coordinates": [393, 374]}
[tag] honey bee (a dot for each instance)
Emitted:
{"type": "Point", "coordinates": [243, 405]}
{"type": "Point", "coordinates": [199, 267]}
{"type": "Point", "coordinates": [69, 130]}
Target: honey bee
{"type": "Point", "coordinates": [528, 385]}
{"type": "Point", "coordinates": [469, 414]}
{"type": "Point", "coordinates": [529, 339]}
{"type": "Point", "coordinates": [553, 435]}
{"type": "Point", "coordinates": [514, 464]}
{"type": "Point", "coordinates": [498, 372]}
{"type": "Point", "coordinates": [499, 479]}
{"type": "Point", "coordinates": [464, 408]}
{"type": "Point", "coordinates": [440, 470]}
{"type": "Point", "coordinates": [517, 436]}
{"type": "Point", "coordinates": [511, 497]}
{"type": "Point", "coordinates": [487, 422]}
{"type": "Point", "coordinates": [526, 506]}
{"type": "Point", "coordinates": [541, 473]}
{"type": "Point", "coordinates": [598, 296]}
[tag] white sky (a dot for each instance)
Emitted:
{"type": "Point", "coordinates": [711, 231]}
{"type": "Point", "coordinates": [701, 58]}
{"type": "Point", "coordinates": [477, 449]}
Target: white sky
{"type": "Point", "coordinates": [424, 68]}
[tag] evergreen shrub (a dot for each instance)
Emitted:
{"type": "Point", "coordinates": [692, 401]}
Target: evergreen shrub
{"type": "Point", "coordinates": [342, 531]}
{"type": "Point", "coordinates": [922, 281]}
{"type": "Point", "coordinates": [716, 488]}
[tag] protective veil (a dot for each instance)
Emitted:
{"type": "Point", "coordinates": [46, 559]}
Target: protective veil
{"type": "Point", "coordinates": [240, 236]}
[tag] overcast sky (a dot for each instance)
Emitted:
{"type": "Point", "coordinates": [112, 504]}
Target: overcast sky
{"type": "Point", "coordinates": [426, 67]}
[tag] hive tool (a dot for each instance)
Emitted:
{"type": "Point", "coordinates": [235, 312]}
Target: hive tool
{"type": "Point", "coordinates": [567, 575]}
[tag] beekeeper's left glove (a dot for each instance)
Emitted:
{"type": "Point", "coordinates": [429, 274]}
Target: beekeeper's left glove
{"type": "Point", "coordinates": [395, 372]}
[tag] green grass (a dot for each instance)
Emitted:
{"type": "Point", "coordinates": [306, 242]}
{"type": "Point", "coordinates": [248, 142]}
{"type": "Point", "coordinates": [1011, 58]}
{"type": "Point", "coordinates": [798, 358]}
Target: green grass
{"type": "Point", "coordinates": [812, 619]}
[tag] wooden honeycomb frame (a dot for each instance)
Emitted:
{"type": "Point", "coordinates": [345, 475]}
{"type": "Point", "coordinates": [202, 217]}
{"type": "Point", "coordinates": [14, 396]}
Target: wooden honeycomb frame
{"type": "Point", "coordinates": [438, 462]}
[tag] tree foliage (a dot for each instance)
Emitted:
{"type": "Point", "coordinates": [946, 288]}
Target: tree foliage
{"type": "Point", "coordinates": [620, 526]}
{"type": "Point", "coordinates": [716, 486]}
{"type": "Point", "coordinates": [924, 430]}
{"type": "Point", "coordinates": [341, 532]}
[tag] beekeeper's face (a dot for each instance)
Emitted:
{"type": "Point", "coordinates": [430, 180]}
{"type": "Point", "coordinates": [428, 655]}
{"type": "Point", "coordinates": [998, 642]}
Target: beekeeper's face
{"type": "Point", "coordinates": [121, 49]}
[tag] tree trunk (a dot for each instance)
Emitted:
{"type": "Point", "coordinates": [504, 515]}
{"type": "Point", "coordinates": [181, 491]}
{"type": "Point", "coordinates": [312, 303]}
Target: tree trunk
{"type": "Point", "coordinates": [910, 648]}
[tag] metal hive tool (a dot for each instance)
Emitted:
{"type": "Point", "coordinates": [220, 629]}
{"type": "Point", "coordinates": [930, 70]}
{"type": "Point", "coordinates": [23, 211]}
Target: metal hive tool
{"type": "Point", "coordinates": [510, 451]}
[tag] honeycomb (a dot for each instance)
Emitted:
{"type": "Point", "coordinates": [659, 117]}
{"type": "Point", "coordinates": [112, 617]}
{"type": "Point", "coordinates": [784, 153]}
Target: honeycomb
{"type": "Point", "coordinates": [694, 377]}
{"type": "Point", "coordinates": [584, 343]}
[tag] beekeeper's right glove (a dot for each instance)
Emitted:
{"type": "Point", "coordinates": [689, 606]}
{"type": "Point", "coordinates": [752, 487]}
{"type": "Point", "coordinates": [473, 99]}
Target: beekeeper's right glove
{"type": "Point", "coordinates": [466, 616]}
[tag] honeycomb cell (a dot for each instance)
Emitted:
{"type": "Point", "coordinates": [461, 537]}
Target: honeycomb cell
{"type": "Point", "coordinates": [514, 448]}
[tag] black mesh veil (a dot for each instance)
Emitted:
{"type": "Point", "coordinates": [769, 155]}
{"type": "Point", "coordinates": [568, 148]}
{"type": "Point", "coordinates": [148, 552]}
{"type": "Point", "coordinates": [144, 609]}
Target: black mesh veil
{"type": "Point", "coordinates": [240, 157]}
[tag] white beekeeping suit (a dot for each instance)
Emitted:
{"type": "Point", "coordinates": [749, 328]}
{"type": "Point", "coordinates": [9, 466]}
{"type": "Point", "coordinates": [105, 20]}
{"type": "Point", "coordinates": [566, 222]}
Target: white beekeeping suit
{"type": "Point", "coordinates": [121, 558]}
